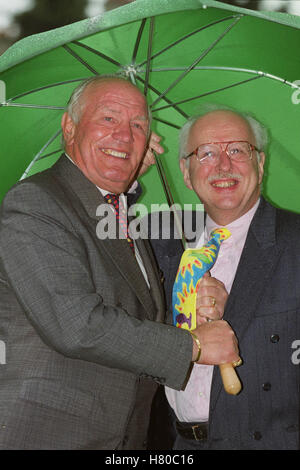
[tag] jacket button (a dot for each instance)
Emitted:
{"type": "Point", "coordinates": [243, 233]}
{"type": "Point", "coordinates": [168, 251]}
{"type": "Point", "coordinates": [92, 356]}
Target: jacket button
{"type": "Point", "coordinates": [257, 435]}
{"type": "Point", "coordinates": [266, 386]}
{"type": "Point", "coordinates": [274, 338]}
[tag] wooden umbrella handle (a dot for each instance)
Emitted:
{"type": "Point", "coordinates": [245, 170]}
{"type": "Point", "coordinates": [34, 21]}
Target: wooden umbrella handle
{"type": "Point", "coordinates": [231, 382]}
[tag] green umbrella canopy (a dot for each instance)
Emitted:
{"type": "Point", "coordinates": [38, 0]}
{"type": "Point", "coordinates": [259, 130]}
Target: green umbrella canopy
{"type": "Point", "coordinates": [182, 54]}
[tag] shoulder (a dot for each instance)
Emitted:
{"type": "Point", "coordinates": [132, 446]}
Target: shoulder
{"type": "Point", "coordinates": [288, 217]}
{"type": "Point", "coordinates": [40, 196]}
{"type": "Point", "coordinates": [269, 217]}
{"type": "Point", "coordinates": [288, 224]}
{"type": "Point", "coordinates": [287, 228]}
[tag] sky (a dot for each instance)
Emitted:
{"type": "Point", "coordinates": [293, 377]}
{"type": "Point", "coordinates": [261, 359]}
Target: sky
{"type": "Point", "coordinates": [9, 8]}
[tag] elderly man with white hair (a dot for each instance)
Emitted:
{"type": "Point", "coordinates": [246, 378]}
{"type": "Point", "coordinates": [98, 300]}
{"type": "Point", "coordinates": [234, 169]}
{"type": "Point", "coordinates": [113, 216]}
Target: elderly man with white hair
{"type": "Point", "coordinates": [222, 159]}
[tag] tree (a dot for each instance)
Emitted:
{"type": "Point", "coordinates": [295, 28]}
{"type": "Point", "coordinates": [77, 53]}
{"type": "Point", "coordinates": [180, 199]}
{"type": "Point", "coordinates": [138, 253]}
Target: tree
{"type": "Point", "coordinates": [111, 4]}
{"type": "Point", "coordinates": [250, 4]}
{"type": "Point", "coordinates": [44, 15]}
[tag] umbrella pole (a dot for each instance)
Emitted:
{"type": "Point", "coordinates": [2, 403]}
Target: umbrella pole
{"type": "Point", "coordinates": [170, 200]}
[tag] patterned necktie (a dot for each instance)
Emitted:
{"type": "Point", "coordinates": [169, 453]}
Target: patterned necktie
{"type": "Point", "coordinates": [121, 216]}
{"type": "Point", "coordinates": [194, 264]}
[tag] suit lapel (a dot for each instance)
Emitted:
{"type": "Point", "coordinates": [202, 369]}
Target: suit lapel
{"type": "Point", "coordinates": [253, 273]}
{"type": "Point", "coordinates": [117, 249]}
{"type": "Point", "coordinates": [153, 277]}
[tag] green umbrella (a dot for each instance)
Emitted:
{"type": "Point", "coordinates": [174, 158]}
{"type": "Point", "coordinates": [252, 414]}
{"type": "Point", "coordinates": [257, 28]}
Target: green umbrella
{"type": "Point", "coordinates": [181, 53]}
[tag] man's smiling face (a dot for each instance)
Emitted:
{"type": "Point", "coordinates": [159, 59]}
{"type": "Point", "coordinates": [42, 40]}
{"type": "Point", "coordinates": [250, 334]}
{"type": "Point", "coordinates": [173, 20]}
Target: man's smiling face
{"type": "Point", "coordinates": [108, 142]}
{"type": "Point", "coordinates": [227, 189]}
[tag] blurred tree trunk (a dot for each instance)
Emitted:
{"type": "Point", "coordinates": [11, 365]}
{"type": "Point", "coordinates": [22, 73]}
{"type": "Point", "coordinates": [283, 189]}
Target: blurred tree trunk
{"type": "Point", "coordinates": [46, 15]}
{"type": "Point", "coordinates": [111, 4]}
{"type": "Point", "coordinates": [250, 4]}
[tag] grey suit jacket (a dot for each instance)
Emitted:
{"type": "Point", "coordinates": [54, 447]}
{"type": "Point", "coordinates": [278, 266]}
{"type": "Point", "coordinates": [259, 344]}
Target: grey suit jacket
{"type": "Point", "coordinates": [82, 331]}
{"type": "Point", "coordinates": [263, 309]}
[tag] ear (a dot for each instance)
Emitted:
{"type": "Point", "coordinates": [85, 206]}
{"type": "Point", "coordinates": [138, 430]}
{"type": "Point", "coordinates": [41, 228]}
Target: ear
{"type": "Point", "coordinates": [185, 170]}
{"type": "Point", "coordinates": [261, 165]}
{"type": "Point", "coordinates": [68, 128]}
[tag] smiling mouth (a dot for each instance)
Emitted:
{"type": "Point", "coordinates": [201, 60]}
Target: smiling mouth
{"type": "Point", "coordinates": [224, 184]}
{"type": "Point", "coordinates": [115, 153]}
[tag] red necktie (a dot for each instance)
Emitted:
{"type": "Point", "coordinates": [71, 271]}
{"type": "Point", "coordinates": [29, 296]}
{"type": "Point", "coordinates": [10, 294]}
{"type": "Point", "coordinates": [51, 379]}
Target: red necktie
{"type": "Point", "coordinates": [121, 216]}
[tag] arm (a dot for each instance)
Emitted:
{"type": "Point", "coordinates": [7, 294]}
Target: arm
{"type": "Point", "coordinates": [46, 264]}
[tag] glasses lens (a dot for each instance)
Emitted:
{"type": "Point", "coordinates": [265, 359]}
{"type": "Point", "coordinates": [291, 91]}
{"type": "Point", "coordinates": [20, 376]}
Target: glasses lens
{"type": "Point", "coordinates": [208, 153]}
{"type": "Point", "coordinates": [239, 151]}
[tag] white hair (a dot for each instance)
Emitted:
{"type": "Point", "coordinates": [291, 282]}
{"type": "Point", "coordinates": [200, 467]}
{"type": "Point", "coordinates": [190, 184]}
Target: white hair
{"type": "Point", "coordinates": [259, 131]}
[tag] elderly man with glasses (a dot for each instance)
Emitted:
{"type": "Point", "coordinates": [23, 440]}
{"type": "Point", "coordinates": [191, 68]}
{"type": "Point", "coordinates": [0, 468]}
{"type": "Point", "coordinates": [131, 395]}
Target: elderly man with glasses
{"type": "Point", "coordinates": [222, 159]}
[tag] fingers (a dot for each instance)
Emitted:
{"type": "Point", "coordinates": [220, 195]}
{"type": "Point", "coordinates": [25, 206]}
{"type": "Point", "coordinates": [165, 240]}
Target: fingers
{"type": "Point", "coordinates": [211, 299]}
{"type": "Point", "coordinates": [149, 159]}
{"type": "Point", "coordinates": [154, 143]}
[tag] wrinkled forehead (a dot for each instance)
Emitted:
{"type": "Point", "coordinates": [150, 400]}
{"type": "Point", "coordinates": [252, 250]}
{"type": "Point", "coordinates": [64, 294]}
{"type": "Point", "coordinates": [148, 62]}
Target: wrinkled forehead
{"type": "Point", "coordinates": [220, 126]}
{"type": "Point", "coordinates": [116, 92]}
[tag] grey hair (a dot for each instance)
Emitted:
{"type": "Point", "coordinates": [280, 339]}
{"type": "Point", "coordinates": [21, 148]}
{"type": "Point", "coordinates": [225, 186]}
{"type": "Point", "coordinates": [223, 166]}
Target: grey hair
{"type": "Point", "coordinates": [76, 105]}
{"type": "Point", "coordinates": [259, 131]}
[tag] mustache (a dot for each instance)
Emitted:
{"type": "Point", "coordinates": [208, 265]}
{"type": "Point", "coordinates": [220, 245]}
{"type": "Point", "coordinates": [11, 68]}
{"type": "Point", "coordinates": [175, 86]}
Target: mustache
{"type": "Point", "coordinates": [224, 175]}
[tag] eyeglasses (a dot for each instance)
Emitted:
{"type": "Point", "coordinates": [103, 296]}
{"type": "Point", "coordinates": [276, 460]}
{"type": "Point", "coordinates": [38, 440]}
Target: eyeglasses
{"type": "Point", "coordinates": [238, 151]}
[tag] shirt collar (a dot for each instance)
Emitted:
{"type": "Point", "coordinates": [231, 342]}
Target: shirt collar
{"type": "Point", "coordinates": [238, 227]}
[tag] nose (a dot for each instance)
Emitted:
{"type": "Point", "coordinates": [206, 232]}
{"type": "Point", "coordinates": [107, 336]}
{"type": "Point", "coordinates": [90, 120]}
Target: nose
{"type": "Point", "coordinates": [224, 162]}
{"type": "Point", "coordinates": [123, 133]}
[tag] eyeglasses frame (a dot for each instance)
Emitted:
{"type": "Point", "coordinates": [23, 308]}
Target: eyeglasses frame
{"type": "Point", "coordinates": [227, 143]}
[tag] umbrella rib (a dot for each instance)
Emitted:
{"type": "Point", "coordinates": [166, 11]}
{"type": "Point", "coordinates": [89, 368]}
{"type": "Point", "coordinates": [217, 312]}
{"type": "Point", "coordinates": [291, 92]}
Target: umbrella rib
{"type": "Point", "coordinates": [209, 92]}
{"type": "Point", "coordinates": [49, 154]}
{"type": "Point", "coordinates": [34, 106]}
{"type": "Point", "coordinates": [166, 122]}
{"type": "Point", "coordinates": [206, 67]}
{"type": "Point", "coordinates": [80, 59]}
{"type": "Point", "coordinates": [166, 99]}
{"type": "Point", "coordinates": [100, 54]}
{"type": "Point", "coordinates": [38, 155]}
{"type": "Point", "coordinates": [187, 36]}
{"type": "Point", "coordinates": [219, 38]}
{"type": "Point", "coordinates": [43, 88]}
{"type": "Point", "coordinates": [151, 31]}
{"type": "Point", "coordinates": [138, 40]}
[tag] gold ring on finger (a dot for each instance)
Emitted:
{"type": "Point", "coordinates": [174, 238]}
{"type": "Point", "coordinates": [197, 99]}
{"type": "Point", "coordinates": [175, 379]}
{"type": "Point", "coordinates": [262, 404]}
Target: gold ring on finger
{"type": "Point", "coordinates": [237, 363]}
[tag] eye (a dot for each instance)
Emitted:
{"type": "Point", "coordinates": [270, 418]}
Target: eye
{"type": "Point", "coordinates": [139, 126]}
{"type": "Point", "coordinates": [235, 150]}
{"type": "Point", "coordinates": [108, 118]}
{"type": "Point", "coordinates": [206, 154]}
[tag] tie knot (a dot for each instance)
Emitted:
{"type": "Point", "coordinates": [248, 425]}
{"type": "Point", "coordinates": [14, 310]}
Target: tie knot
{"type": "Point", "coordinates": [113, 199]}
{"type": "Point", "coordinates": [220, 234]}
